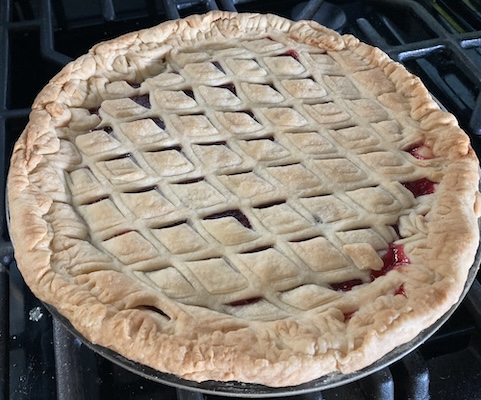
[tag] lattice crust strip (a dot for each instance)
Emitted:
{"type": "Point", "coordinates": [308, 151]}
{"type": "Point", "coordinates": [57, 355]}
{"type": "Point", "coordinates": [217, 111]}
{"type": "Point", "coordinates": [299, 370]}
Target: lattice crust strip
{"type": "Point", "coordinates": [253, 175]}
{"type": "Point", "coordinates": [242, 154]}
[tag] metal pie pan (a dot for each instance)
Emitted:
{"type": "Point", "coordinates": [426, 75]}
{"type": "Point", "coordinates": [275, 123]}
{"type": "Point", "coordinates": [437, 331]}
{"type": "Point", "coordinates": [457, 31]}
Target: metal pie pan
{"type": "Point", "coordinates": [239, 389]}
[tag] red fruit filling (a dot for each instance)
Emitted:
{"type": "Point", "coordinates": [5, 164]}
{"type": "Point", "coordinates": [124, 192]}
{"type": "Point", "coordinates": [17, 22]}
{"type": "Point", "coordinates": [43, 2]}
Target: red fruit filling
{"type": "Point", "coordinates": [230, 87]}
{"type": "Point", "coordinates": [122, 233]}
{"type": "Point", "coordinates": [154, 309]}
{"type": "Point", "coordinates": [393, 258]}
{"type": "Point", "coordinates": [94, 110]}
{"type": "Point", "coordinates": [349, 315]}
{"type": "Point", "coordinates": [347, 285]}
{"type": "Point", "coordinates": [190, 93]}
{"type": "Point", "coordinates": [142, 100]}
{"type": "Point", "coordinates": [160, 123]}
{"type": "Point", "coordinates": [396, 229]}
{"type": "Point", "coordinates": [292, 53]}
{"type": "Point", "coordinates": [218, 66]}
{"type": "Point", "coordinates": [400, 290]}
{"type": "Point", "coordinates": [134, 85]}
{"type": "Point", "coordinates": [420, 187]}
{"type": "Point", "coordinates": [237, 214]}
{"type": "Point", "coordinates": [245, 302]}
{"type": "Point", "coordinates": [420, 151]}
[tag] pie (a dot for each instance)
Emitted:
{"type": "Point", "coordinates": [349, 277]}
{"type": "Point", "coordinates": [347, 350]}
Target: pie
{"type": "Point", "coordinates": [240, 197]}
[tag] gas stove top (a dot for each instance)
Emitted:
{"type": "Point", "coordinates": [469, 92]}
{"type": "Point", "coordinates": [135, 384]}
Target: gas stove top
{"type": "Point", "coordinates": [440, 41]}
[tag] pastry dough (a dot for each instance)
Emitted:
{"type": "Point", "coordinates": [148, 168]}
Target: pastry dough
{"type": "Point", "coordinates": [242, 197]}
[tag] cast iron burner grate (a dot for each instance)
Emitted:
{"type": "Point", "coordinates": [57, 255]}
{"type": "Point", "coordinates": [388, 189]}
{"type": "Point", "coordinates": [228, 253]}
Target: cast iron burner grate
{"type": "Point", "coordinates": [439, 40]}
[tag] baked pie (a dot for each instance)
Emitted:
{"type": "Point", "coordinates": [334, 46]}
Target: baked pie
{"type": "Point", "coordinates": [243, 197]}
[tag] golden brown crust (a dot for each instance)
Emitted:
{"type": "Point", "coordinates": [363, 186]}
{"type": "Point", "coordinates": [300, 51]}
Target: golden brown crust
{"type": "Point", "coordinates": [63, 263]}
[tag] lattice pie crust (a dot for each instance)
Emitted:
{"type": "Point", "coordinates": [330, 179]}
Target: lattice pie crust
{"type": "Point", "coordinates": [242, 197]}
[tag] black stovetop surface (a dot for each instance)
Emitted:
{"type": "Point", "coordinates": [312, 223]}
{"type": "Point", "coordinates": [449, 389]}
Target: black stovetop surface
{"type": "Point", "coordinates": [440, 41]}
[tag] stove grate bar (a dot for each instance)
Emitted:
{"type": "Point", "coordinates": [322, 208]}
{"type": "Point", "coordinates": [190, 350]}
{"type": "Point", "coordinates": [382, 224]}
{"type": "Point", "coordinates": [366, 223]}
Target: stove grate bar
{"type": "Point", "coordinates": [173, 7]}
{"type": "Point", "coordinates": [183, 394]}
{"type": "Point", "coordinates": [6, 250]}
{"type": "Point", "coordinates": [310, 9]}
{"type": "Point", "coordinates": [4, 332]}
{"type": "Point", "coordinates": [4, 56]}
{"type": "Point", "coordinates": [227, 5]}
{"type": "Point", "coordinates": [74, 381]}
{"type": "Point", "coordinates": [473, 301]}
{"type": "Point", "coordinates": [379, 385]}
{"type": "Point", "coordinates": [475, 120]}
{"type": "Point", "coordinates": [67, 368]}
{"type": "Point", "coordinates": [416, 376]}
{"type": "Point", "coordinates": [108, 10]}
{"type": "Point", "coordinates": [371, 33]}
{"type": "Point", "coordinates": [451, 44]}
{"type": "Point", "coordinates": [47, 37]}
